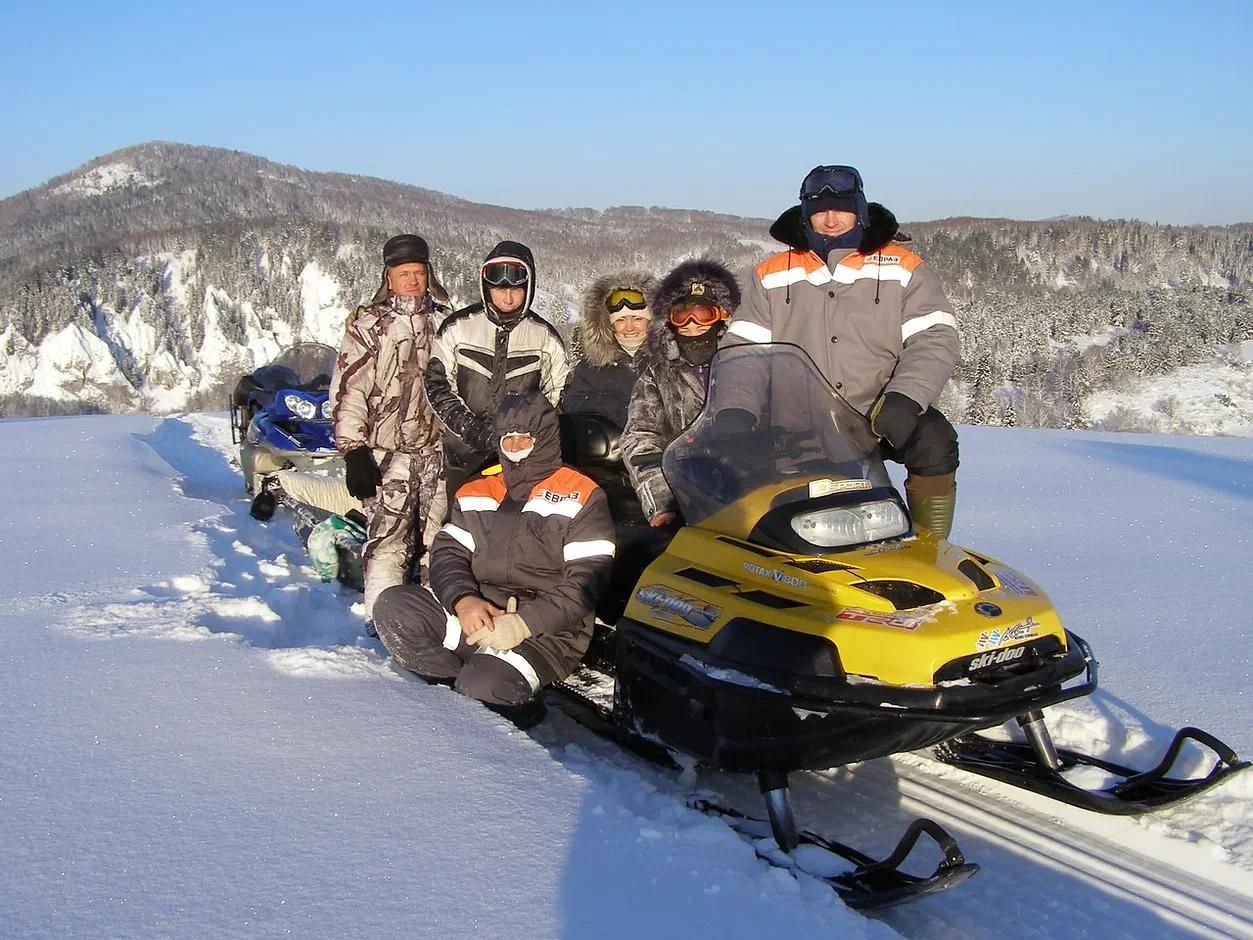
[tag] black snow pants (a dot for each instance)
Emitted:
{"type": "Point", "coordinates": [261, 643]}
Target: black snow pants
{"type": "Point", "coordinates": [425, 639]}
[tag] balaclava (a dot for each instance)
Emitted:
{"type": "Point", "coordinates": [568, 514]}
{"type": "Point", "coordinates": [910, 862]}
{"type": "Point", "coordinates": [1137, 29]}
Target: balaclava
{"type": "Point", "coordinates": [698, 350]}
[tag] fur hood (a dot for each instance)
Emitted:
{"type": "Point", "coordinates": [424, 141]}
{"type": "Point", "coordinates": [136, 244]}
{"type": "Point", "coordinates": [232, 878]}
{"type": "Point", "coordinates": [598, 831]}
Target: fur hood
{"type": "Point", "coordinates": [882, 229]}
{"type": "Point", "coordinates": [720, 285]}
{"type": "Point", "coordinates": [595, 338]}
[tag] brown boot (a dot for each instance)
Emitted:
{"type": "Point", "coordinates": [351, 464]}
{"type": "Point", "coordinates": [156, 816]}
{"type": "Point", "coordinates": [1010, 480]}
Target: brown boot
{"type": "Point", "coordinates": [932, 501]}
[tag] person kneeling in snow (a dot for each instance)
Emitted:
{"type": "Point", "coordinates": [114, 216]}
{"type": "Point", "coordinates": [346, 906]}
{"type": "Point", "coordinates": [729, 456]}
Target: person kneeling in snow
{"type": "Point", "coordinates": [521, 565]}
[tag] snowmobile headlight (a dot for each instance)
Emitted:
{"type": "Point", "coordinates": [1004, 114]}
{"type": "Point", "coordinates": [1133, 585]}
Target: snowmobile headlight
{"type": "Point", "coordinates": [326, 410]}
{"type": "Point", "coordinates": [300, 407]}
{"type": "Point", "coordinates": [852, 525]}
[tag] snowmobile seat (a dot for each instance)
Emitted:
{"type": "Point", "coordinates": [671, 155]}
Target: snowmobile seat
{"type": "Point", "coordinates": [245, 388]}
{"type": "Point", "coordinates": [590, 443]}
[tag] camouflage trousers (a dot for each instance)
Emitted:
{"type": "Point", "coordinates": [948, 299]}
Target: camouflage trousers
{"type": "Point", "coordinates": [397, 516]}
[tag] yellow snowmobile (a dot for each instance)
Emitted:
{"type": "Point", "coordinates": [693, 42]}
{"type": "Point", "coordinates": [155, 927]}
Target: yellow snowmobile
{"type": "Point", "coordinates": [798, 620]}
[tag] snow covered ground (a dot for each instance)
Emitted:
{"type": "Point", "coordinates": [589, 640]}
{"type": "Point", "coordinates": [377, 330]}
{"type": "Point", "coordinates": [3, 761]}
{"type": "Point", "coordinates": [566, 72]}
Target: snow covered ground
{"type": "Point", "coordinates": [196, 739]}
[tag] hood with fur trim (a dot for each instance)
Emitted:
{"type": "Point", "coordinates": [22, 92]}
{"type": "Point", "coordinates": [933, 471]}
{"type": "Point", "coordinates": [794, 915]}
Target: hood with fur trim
{"type": "Point", "coordinates": [789, 229]}
{"type": "Point", "coordinates": [597, 343]}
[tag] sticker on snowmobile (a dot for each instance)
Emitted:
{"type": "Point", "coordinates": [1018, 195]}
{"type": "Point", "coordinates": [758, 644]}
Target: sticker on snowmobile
{"type": "Point", "coordinates": [777, 576]}
{"type": "Point", "coordinates": [827, 487]}
{"type": "Point", "coordinates": [679, 609]}
{"type": "Point", "coordinates": [1012, 582]}
{"type": "Point", "coordinates": [899, 621]}
{"type": "Point", "coordinates": [893, 546]}
{"type": "Point", "coordinates": [1024, 630]}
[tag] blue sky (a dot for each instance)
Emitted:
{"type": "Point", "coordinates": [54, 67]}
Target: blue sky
{"type": "Point", "coordinates": [1025, 110]}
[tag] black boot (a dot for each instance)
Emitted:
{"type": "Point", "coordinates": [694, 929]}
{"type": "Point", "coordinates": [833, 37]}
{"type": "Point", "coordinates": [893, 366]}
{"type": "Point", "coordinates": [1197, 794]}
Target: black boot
{"type": "Point", "coordinates": [266, 500]}
{"type": "Point", "coordinates": [524, 715]}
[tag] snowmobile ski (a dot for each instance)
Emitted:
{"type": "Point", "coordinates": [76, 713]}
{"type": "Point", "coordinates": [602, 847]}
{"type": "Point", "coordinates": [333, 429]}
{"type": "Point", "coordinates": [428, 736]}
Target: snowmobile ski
{"type": "Point", "coordinates": [1136, 792]}
{"type": "Point", "coordinates": [872, 883]}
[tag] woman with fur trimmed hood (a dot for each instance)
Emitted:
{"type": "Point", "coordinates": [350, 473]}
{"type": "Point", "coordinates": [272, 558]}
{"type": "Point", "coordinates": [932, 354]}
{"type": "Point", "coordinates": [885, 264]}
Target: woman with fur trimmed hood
{"type": "Point", "coordinates": [692, 304]}
{"type": "Point", "coordinates": [611, 338]}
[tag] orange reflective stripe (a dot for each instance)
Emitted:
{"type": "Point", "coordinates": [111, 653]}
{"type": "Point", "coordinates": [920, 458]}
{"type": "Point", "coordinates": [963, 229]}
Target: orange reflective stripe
{"type": "Point", "coordinates": [492, 487]}
{"type": "Point", "coordinates": [786, 260]}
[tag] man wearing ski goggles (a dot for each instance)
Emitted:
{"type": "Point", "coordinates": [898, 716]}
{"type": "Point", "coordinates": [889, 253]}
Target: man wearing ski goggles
{"type": "Point", "coordinates": [505, 274]}
{"type": "Point", "coordinates": [486, 351]}
{"type": "Point", "coordinates": [874, 318]}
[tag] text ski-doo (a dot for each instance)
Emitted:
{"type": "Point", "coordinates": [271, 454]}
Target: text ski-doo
{"type": "Point", "coordinates": [800, 621]}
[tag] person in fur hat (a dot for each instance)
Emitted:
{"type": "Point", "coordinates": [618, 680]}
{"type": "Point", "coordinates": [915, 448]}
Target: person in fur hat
{"type": "Point", "coordinates": [383, 424]}
{"type": "Point", "coordinates": [874, 318]}
{"type": "Point", "coordinates": [692, 303]}
{"type": "Point", "coordinates": [611, 337]}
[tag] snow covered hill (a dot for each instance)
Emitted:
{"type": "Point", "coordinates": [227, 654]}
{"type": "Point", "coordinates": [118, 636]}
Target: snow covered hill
{"type": "Point", "coordinates": [196, 739]}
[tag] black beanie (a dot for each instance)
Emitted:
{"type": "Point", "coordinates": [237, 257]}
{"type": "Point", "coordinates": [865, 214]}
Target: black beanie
{"type": "Point", "coordinates": [406, 249]}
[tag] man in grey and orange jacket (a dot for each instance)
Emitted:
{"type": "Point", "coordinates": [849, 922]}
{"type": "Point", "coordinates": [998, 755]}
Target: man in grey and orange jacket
{"type": "Point", "coordinates": [384, 425]}
{"type": "Point", "coordinates": [874, 318]}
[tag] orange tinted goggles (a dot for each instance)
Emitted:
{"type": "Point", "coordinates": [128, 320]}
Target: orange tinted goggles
{"type": "Point", "coordinates": [700, 314]}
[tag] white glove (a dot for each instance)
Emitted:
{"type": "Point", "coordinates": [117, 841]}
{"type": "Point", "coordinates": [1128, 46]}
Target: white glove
{"type": "Point", "coordinates": [506, 632]}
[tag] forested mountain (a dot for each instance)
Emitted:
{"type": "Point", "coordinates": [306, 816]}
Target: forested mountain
{"type": "Point", "coordinates": [150, 277]}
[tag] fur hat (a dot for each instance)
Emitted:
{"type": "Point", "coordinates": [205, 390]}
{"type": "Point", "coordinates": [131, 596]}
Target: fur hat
{"type": "Point", "coordinates": [701, 281]}
{"type": "Point", "coordinates": [596, 339]}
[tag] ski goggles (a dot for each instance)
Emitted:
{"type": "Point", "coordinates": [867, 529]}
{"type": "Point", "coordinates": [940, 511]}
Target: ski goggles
{"type": "Point", "coordinates": [831, 181]}
{"type": "Point", "coordinates": [505, 274]}
{"type": "Point", "coordinates": [624, 297]}
{"type": "Point", "coordinates": [700, 314]}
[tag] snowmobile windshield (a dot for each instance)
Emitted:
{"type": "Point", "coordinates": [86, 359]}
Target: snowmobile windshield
{"type": "Point", "coordinates": [305, 365]}
{"type": "Point", "coordinates": [773, 432]}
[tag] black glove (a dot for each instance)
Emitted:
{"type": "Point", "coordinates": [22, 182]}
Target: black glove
{"type": "Point", "coordinates": [734, 421]}
{"type": "Point", "coordinates": [894, 418]}
{"type": "Point", "coordinates": [481, 437]}
{"type": "Point", "coordinates": [362, 476]}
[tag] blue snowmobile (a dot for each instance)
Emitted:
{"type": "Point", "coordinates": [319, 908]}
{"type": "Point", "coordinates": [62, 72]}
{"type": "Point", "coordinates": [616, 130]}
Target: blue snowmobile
{"type": "Point", "coordinates": [281, 415]}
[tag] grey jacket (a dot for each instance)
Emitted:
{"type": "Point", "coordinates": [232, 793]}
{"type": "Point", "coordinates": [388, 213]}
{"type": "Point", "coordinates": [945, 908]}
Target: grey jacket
{"type": "Point", "coordinates": [873, 323]}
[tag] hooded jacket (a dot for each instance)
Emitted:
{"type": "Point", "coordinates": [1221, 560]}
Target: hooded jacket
{"type": "Point", "coordinates": [601, 382]}
{"type": "Point", "coordinates": [670, 392]}
{"type": "Point", "coordinates": [874, 320]}
{"type": "Point", "coordinates": [538, 531]}
{"type": "Point", "coordinates": [480, 357]}
{"type": "Point", "coordinates": [377, 388]}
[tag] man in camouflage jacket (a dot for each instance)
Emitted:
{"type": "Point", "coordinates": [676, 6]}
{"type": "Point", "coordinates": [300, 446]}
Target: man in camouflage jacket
{"type": "Point", "coordinates": [384, 425]}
